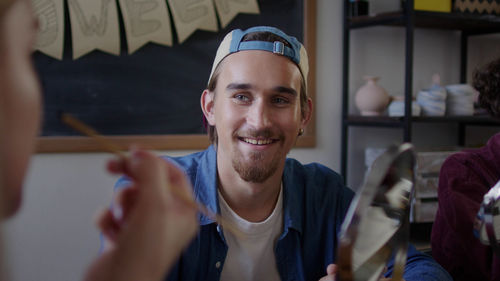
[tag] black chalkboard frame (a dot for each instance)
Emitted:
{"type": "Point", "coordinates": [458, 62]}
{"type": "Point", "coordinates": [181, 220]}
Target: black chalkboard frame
{"type": "Point", "coordinates": [56, 144]}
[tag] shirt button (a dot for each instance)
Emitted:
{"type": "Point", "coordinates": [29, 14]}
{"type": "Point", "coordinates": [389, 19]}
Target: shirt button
{"type": "Point", "coordinates": [217, 264]}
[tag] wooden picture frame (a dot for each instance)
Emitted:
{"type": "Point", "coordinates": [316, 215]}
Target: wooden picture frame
{"type": "Point", "coordinates": [53, 144]}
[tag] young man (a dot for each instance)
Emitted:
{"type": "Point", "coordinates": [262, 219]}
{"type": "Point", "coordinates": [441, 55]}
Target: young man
{"type": "Point", "coordinates": [155, 226]}
{"type": "Point", "coordinates": [256, 106]}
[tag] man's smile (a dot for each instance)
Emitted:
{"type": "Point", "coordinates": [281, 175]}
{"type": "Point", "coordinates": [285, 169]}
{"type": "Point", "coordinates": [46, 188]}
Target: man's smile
{"type": "Point", "coordinates": [258, 141]}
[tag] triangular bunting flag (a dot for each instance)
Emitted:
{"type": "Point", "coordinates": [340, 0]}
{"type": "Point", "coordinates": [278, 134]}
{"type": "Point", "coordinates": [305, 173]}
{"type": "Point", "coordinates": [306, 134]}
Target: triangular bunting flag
{"type": "Point", "coordinates": [146, 21]}
{"type": "Point", "coordinates": [50, 36]}
{"type": "Point", "coordinates": [94, 25]}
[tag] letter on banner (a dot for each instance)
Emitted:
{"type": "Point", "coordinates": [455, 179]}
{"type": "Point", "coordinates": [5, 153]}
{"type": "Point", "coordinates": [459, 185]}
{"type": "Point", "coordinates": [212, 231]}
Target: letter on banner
{"type": "Point", "coordinates": [146, 21]}
{"type": "Point", "coordinates": [190, 15]}
{"type": "Point", "coordinates": [94, 25]}
{"type": "Point", "coordinates": [50, 34]}
{"type": "Point", "coordinates": [228, 9]}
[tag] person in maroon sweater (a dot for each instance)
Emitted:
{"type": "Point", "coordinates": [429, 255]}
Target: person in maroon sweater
{"type": "Point", "coordinates": [464, 179]}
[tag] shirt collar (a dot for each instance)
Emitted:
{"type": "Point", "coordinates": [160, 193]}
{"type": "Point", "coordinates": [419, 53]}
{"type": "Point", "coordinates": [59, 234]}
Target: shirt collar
{"type": "Point", "coordinates": [205, 187]}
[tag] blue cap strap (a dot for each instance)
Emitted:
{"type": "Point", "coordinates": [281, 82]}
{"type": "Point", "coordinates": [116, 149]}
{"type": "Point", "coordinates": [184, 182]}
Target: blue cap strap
{"type": "Point", "coordinates": [276, 47]}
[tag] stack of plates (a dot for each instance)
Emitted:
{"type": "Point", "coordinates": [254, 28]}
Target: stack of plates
{"type": "Point", "coordinates": [432, 101]}
{"type": "Point", "coordinates": [397, 108]}
{"type": "Point", "coordinates": [460, 99]}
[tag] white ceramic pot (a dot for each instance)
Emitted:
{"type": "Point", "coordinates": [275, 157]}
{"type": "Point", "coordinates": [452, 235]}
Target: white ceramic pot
{"type": "Point", "coordinates": [371, 99]}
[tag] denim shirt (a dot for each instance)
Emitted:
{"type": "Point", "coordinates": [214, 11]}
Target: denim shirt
{"type": "Point", "coordinates": [314, 205]}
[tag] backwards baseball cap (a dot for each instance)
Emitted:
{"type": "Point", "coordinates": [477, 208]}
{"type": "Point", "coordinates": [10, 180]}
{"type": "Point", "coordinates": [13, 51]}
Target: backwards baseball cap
{"type": "Point", "coordinates": [233, 43]}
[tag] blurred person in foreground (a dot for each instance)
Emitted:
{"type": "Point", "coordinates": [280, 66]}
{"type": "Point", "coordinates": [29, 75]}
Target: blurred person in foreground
{"type": "Point", "coordinates": [155, 226]}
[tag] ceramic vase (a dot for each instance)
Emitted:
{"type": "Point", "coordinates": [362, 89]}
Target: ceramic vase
{"type": "Point", "coordinates": [371, 99]}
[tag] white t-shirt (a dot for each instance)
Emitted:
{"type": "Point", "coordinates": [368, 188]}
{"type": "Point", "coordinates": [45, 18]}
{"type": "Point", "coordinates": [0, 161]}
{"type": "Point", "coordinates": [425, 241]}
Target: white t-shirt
{"type": "Point", "coordinates": [251, 257]}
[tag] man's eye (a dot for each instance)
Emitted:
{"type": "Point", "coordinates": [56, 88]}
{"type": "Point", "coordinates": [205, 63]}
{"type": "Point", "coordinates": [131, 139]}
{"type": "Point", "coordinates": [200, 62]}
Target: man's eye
{"type": "Point", "coordinates": [241, 97]}
{"type": "Point", "coordinates": [280, 100]}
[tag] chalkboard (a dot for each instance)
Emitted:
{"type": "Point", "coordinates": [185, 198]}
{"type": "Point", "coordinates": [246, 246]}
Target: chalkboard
{"type": "Point", "coordinates": [153, 92]}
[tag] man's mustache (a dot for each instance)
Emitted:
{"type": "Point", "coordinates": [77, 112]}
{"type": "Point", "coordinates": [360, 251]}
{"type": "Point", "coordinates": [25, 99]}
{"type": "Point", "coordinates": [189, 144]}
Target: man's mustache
{"type": "Point", "coordinates": [266, 133]}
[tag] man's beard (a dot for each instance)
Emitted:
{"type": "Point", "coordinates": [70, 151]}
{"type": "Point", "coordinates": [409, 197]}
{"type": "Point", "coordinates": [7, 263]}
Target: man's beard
{"type": "Point", "coordinates": [254, 169]}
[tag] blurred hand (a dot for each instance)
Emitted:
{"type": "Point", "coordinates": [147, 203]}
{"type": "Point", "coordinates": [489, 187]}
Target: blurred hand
{"type": "Point", "coordinates": [331, 272]}
{"type": "Point", "coordinates": [154, 226]}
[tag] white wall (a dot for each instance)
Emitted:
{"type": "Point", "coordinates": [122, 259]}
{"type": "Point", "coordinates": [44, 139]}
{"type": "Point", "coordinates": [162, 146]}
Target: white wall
{"type": "Point", "coordinates": [53, 237]}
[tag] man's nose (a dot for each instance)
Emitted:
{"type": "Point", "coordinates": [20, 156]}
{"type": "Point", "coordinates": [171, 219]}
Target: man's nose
{"type": "Point", "coordinates": [259, 115]}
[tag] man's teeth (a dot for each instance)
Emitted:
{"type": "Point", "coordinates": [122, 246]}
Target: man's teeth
{"type": "Point", "coordinates": [258, 142]}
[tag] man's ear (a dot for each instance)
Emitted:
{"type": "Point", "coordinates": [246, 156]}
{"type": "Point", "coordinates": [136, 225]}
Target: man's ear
{"type": "Point", "coordinates": [207, 106]}
{"type": "Point", "coordinates": [307, 114]}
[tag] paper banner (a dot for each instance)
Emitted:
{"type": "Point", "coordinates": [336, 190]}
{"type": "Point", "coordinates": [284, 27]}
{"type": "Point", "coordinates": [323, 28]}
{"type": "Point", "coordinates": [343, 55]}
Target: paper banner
{"type": "Point", "coordinates": [50, 34]}
{"type": "Point", "coordinates": [228, 9]}
{"type": "Point", "coordinates": [146, 21]}
{"type": "Point", "coordinates": [190, 15]}
{"type": "Point", "coordinates": [94, 25]}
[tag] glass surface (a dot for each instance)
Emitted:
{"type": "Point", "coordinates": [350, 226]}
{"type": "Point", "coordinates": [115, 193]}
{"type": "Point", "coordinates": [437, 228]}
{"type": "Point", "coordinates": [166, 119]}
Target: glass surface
{"type": "Point", "coordinates": [376, 225]}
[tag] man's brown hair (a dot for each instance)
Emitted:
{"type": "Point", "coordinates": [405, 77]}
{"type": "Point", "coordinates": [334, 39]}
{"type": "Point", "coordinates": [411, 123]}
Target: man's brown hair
{"type": "Point", "coordinates": [487, 81]}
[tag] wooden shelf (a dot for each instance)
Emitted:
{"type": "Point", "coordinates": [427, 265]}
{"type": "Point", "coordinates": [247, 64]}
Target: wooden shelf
{"type": "Point", "coordinates": [387, 121]}
{"type": "Point", "coordinates": [390, 18]}
{"type": "Point", "coordinates": [468, 120]}
{"type": "Point", "coordinates": [469, 23]}
{"type": "Point", "coordinates": [374, 121]}
{"type": "Point", "coordinates": [408, 19]}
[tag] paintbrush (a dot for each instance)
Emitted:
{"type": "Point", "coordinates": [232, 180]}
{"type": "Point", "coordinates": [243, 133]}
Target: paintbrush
{"type": "Point", "coordinates": [108, 146]}
{"type": "Point", "coordinates": [84, 129]}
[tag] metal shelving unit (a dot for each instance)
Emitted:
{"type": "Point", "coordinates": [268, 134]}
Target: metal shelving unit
{"type": "Point", "coordinates": [408, 18]}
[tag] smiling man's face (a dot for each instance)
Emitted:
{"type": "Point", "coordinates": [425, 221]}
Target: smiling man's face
{"type": "Point", "coordinates": [256, 112]}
